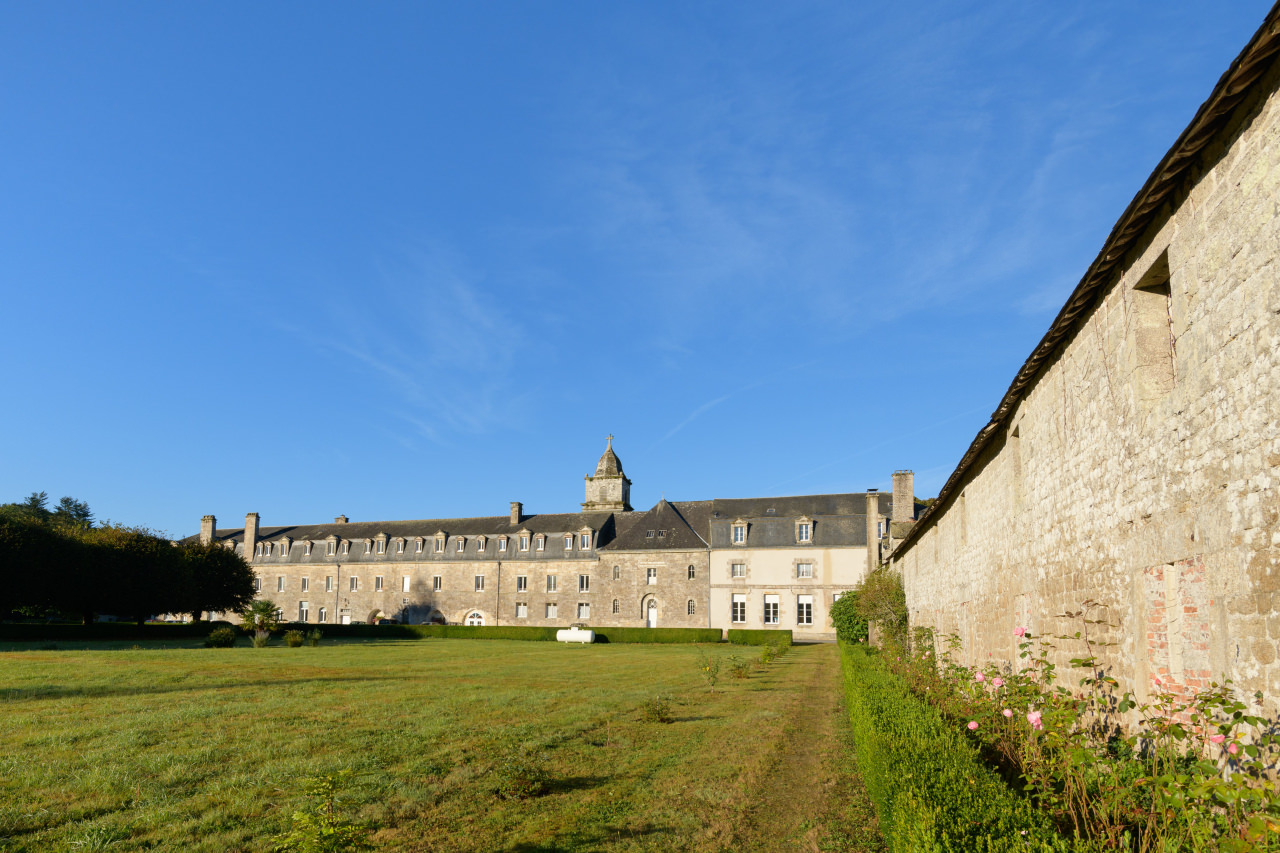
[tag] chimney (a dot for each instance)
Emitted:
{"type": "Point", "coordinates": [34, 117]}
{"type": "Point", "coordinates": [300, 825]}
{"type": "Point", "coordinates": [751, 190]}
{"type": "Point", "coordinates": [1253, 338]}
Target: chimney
{"type": "Point", "coordinates": [342, 519]}
{"type": "Point", "coordinates": [904, 496]}
{"type": "Point", "coordinates": [873, 529]}
{"type": "Point", "coordinates": [250, 535]}
{"type": "Point", "coordinates": [208, 525]}
{"type": "Point", "coordinates": [517, 512]}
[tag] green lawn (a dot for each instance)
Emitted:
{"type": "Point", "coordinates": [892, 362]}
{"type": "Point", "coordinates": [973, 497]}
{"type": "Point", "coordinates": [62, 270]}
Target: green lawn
{"type": "Point", "coordinates": [209, 749]}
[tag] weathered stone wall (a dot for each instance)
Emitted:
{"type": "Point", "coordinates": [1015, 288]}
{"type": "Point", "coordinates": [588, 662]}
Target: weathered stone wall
{"type": "Point", "coordinates": [672, 590]}
{"type": "Point", "coordinates": [1142, 468]}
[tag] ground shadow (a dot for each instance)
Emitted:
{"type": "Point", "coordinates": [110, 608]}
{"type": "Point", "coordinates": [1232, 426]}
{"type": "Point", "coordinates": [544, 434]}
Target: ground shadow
{"type": "Point", "coordinates": [596, 839]}
{"type": "Point", "coordinates": [573, 783]}
{"type": "Point", "coordinates": [58, 691]}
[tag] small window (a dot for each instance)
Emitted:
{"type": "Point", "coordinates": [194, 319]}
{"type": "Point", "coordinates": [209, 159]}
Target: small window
{"type": "Point", "coordinates": [459, 545]}
{"type": "Point", "coordinates": [662, 534]}
{"type": "Point", "coordinates": [346, 548]}
{"type": "Point", "coordinates": [355, 583]}
{"type": "Point", "coordinates": [439, 544]}
{"type": "Point", "coordinates": [584, 541]}
{"type": "Point", "coordinates": [804, 532]}
{"type": "Point", "coordinates": [323, 615]}
{"type": "Point", "coordinates": [804, 610]}
{"type": "Point", "coordinates": [739, 534]}
{"type": "Point", "coordinates": [584, 583]}
{"type": "Point", "coordinates": [693, 573]}
{"type": "Point", "coordinates": [417, 546]}
{"type": "Point", "coordinates": [651, 576]}
{"type": "Point", "coordinates": [377, 583]}
{"type": "Point", "coordinates": [279, 584]}
{"type": "Point", "coordinates": [617, 573]}
{"type": "Point", "coordinates": [306, 584]}
{"type": "Point", "coordinates": [524, 543]}
{"type": "Point", "coordinates": [522, 610]}
{"type": "Point", "coordinates": [480, 543]}
{"type": "Point", "coordinates": [328, 583]}
{"type": "Point", "coordinates": [551, 610]}
{"type": "Point", "coordinates": [436, 583]}
{"type": "Point", "coordinates": [522, 583]}
{"type": "Point", "coordinates": [330, 547]}
{"type": "Point", "coordinates": [540, 543]}
{"type": "Point", "coordinates": [568, 542]}
{"type": "Point", "coordinates": [804, 570]}
{"type": "Point", "coordinates": [771, 610]}
{"type": "Point", "coordinates": [257, 584]}
{"type": "Point", "coordinates": [739, 608]}
{"type": "Point", "coordinates": [738, 570]}
{"type": "Point", "coordinates": [382, 546]}
{"type": "Point", "coordinates": [551, 583]}
{"type": "Point", "coordinates": [584, 610]}
{"type": "Point", "coordinates": [368, 546]}
{"type": "Point", "coordinates": [303, 611]}
{"type": "Point", "coordinates": [475, 618]}
{"type": "Point", "coordinates": [692, 607]}
{"type": "Point", "coordinates": [615, 606]}
{"type": "Point", "coordinates": [404, 583]}
{"type": "Point", "coordinates": [399, 546]}
{"type": "Point", "coordinates": [479, 583]}
{"type": "Point", "coordinates": [306, 549]}
{"type": "Point", "coordinates": [648, 534]}
{"type": "Point", "coordinates": [502, 544]}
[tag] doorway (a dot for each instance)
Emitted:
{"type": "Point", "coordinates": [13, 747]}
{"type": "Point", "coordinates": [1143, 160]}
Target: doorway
{"type": "Point", "coordinates": [651, 619]}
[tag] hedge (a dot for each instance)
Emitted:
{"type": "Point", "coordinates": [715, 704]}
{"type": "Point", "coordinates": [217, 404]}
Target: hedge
{"type": "Point", "coordinates": [69, 632]}
{"type": "Point", "coordinates": [931, 789]}
{"type": "Point", "coordinates": [749, 637]}
{"type": "Point", "coordinates": [656, 635]}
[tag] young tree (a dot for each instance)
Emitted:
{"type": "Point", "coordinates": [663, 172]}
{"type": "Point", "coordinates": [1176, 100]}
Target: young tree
{"type": "Point", "coordinates": [220, 579]}
{"type": "Point", "coordinates": [262, 618]}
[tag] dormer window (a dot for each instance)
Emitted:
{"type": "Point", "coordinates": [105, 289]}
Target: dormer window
{"type": "Point", "coordinates": [502, 543]}
{"type": "Point", "coordinates": [459, 544]}
{"type": "Point", "coordinates": [440, 543]}
{"type": "Point", "coordinates": [739, 532]}
{"type": "Point", "coordinates": [285, 544]}
{"type": "Point", "coordinates": [346, 547]}
{"type": "Point", "coordinates": [648, 534]}
{"type": "Point", "coordinates": [584, 541]}
{"type": "Point", "coordinates": [399, 546]}
{"type": "Point", "coordinates": [568, 541]}
{"type": "Point", "coordinates": [257, 552]}
{"type": "Point", "coordinates": [330, 547]}
{"type": "Point", "coordinates": [368, 546]}
{"type": "Point", "coordinates": [524, 543]}
{"type": "Point", "coordinates": [480, 543]}
{"type": "Point", "coordinates": [417, 545]}
{"type": "Point", "coordinates": [306, 549]}
{"type": "Point", "coordinates": [539, 542]}
{"type": "Point", "coordinates": [804, 531]}
{"type": "Point", "coordinates": [380, 546]}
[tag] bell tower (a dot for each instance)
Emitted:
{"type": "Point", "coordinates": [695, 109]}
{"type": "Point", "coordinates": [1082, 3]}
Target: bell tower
{"type": "Point", "coordinates": [609, 490]}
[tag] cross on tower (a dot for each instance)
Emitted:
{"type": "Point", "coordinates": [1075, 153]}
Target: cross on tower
{"type": "Point", "coordinates": [611, 440]}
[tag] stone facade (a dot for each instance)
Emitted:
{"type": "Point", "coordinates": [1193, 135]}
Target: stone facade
{"type": "Point", "coordinates": [1136, 459]}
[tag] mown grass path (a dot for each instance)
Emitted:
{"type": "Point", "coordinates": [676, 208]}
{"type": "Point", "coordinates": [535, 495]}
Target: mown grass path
{"type": "Point", "coordinates": [208, 750]}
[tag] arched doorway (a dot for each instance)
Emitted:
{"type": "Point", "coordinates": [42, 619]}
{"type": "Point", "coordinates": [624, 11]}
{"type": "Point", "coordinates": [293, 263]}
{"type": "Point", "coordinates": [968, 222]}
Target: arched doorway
{"type": "Point", "coordinates": [651, 614]}
{"type": "Point", "coordinates": [475, 617]}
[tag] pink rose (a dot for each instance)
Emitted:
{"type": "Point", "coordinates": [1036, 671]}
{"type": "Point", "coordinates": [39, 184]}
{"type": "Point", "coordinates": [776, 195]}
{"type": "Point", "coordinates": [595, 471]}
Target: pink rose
{"type": "Point", "coordinates": [979, 677]}
{"type": "Point", "coordinates": [1019, 632]}
{"type": "Point", "coordinates": [1157, 681]}
{"type": "Point", "coordinates": [1007, 712]}
{"type": "Point", "coordinates": [1218, 738]}
{"type": "Point", "coordinates": [1233, 749]}
{"type": "Point", "coordinates": [973, 725]}
{"type": "Point", "coordinates": [998, 682]}
{"type": "Point", "coordinates": [1033, 717]}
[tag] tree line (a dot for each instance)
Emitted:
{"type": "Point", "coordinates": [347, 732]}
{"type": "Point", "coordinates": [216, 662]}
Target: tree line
{"type": "Point", "coordinates": [59, 562]}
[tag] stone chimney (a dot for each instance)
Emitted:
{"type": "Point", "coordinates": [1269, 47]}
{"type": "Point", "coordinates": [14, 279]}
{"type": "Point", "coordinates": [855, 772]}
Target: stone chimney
{"type": "Point", "coordinates": [250, 535]}
{"type": "Point", "coordinates": [873, 529]}
{"type": "Point", "coordinates": [904, 496]}
{"type": "Point", "coordinates": [208, 525]}
{"type": "Point", "coordinates": [342, 519]}
{"type": "Point", "coordinates": [517, 512]}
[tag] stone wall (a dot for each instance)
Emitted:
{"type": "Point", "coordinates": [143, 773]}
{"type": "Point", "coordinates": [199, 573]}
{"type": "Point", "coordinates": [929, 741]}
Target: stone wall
{"type": "Point", "coordinates": [1141, 469]}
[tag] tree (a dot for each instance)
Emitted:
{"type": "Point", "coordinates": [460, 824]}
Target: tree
{"type": "Point", "coordinates": [73, 513]}
{"type": "Point", "coordinates": [134, 571]}
{"type": "Point", "coordinates": [34, 508]}
{"type": "Point", "coordinates": [880, 598]}
{"type": "Point", "coordinates": [262, 617]}
{"type": "Point", "coordinates": [219, 579]}
{"type": "Point", "coordinates": [850, 625]}
{"type": "Point", "coordinates": [35, 563]}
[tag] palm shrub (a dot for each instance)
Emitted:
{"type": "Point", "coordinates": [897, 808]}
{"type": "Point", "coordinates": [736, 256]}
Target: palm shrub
{"type": "Point", "coordinates": [261, 617]}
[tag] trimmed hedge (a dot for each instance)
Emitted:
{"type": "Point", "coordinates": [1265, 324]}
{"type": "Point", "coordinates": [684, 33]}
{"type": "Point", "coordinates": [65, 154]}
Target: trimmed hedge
{"type": "Point", "coordinates": [419, 632]}
{"type": "Point", "coordinates": [757, 637]}
{"type": "Point", "coordinates": [931, 789]}
{"type": "Point", "coordinates": [656, 635]}
{"type": "Point", "coordinates": [69, 632]}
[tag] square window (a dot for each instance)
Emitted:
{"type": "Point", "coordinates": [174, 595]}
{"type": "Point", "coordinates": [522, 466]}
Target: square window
{"type": "Point", "coordinates": [804, 570]}
{"type": "Point", "coordinates": [436, 583]}
{"type": "Point", "coordinates": [584, 583]}
{"type": "Point", "coordinates": [522, 583]}
{"type": "Point", "coordinates": [306, 584]}
{"type": "Point", "coordinates": [738, 570]}
{"type": "Point", "coordinates": [551, 610]}
{"type": "Point", "coordinates": [551, 583]}
{"type": "Point", "coordinates": [404, 584]}
{"type": "Point", "coordinates": [479, 583]}
{"type": "Point", "coordinates": [522, 610]}
{"type": "Point", "coordinates": [377, 583]}
{"type": "Point", "coordinates": [584, 610]}
{"type": "Point", "coordinates": [804, 610]}
{"type": "Point", "coordinates": [355, 583]}
{"type": "Point", "coordinates": [739, 608]}
{"type": "Point", "coordinates": [651, 576]}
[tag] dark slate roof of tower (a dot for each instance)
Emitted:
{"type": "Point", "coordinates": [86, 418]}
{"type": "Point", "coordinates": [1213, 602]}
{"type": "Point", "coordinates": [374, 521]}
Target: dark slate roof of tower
{"type": "Point", "coordinates": [664, 528]}
{"type": "Point", "coordinates": [609, 465]}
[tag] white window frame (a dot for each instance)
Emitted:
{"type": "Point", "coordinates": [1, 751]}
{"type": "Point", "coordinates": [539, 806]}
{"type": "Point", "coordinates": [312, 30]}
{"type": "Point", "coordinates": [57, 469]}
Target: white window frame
{"type": "Point", "coordinates": [692, 608]}
{"type": "Point", "coordinates": [522, 610]}
{"type": "Point", "coordinates": [739, 535]}
{"type": "Point", "coordinates": [380, 546]}
{"type": "Point", "coordinates": [804, 570]}
{"type": "Point", "coordinates": [328, 583]}
{"type": "Point", "coordinates": [584, 583]}
{"type": "Point", "coordinates": [479, 583]}
{"type": "Point", "coordinates": [651, 576]}
{"type": "Point", "coordinates": [439, 544]}
{"type": "Point", "coordinates": [459, 545]}
{"type": "Point", "coordinates": [522, 583]}
{"type": "Point", "coordinates": [804, 531]}
{"type": "Point", "coordinates": [418, 545]}
{"type": "Point", "coordinates": [617, 573]}
{"type": "Point", "coordinates": [524, 543]}
{"type": "Point", "coordinates": [568, 542]}
{"type": "Point", "coordinates": [346, 548]}
{"type": "Point", "coordinates": [552, 583]}
{"type": "Point", "coordinates": [304, 611]}
{"type": "Point", "coordinates": [480, 543]}
{"type": "Point", "coordinates": [377, 583]}
{"type": "Point", "coordinates": [584, 610]}
{"type": "Point", "coordinates": [737, 570]}
{"type": "Point", "coordinates": [552, 610]}
{"type": "Point", "coordinates": [804, 609]}
{"type": "Point", "coordinates": [502, 543]}
{"type": "Point", "coordinates": [584, 541]}
{"type": "Point", "coordinates": [280, 583]}
{"type": "Point", "coordinates": [738, 608]}
{"type": "Point", "coordinates": [539, 542]}
{"type": "Point", "coordinates": [306, 584]}
{"type": "Point", "coordinates": [353, 583]}
{"type": "Point", "coordinates": [257, 584]}
{"type": "Point", "coordinates": [437, 583]}
{"type": "Point", "coordinates": [306, 552]}
{"type": "Point", "coordinates": [399, 546]}
{"type": "Point", "coordinates": [772, 609]}
{"type": "Point", "coordinates": [405, 583]}
{"type": "Point", "coordinates": [322, 615]}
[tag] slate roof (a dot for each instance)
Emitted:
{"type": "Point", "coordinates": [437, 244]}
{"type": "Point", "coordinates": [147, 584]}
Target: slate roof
{"type": "Point", "coordinates": [665, 527]}
{"type": "Point", "coordinates": [609, 465]}
{"type": "Point", "coordinates": [797, 505]}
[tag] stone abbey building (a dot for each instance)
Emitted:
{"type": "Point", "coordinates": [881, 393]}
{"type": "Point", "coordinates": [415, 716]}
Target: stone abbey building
{"type": "Point", "coordinates": [753, 563]}
{"type": "Point", "coordinates": [1135, 459]}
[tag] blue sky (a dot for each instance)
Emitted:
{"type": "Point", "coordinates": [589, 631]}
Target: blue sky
{"type": "Point", "coordinates": [407, 260]}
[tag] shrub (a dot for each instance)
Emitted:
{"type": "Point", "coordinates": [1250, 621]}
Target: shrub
{"type": "Point", "coordinates": [520, 771]}
{"type": "Point", "coordinates": [657, 635]}
{"type": "Point", "coordinates": [313, 637]}
{"type": "Point", "coordinates": [656, 710]}
{"type": "Point", "coordinates": [260, 641]}
{"type": "Point", "coordinates": [221, 638]}
{"type": "Point", "coordinates": [739, 668]}
{"type": "Point", "coordinates": [318, 828]}
{"type": "Point", "coordinates": [851, 625]}
{"type": "Point", "coordinates": [294, 639]}
{"type": "Point", "coordinates": [710, 669]}
{"type": "Point", "coordinates": [750, 637]}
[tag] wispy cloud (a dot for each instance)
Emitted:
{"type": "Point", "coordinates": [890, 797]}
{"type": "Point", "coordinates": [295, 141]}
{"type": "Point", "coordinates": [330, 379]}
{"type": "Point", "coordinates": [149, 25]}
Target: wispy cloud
{"type": "Point", "coordinates": [694, 415]}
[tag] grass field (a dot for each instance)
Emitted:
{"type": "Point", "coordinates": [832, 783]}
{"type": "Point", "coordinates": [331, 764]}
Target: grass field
{"type": "Point", "coordinates": [209, 749]}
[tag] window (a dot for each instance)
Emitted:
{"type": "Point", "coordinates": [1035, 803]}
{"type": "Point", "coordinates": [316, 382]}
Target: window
{"type": "Point", "coordinates": [480, 543]}
{"type": "Point", "coordinates": [459, 545]}
{"type": "Point", "coordinates": [568, 541]}
{"type": "Point", "coordinates": [551, 610]}
{"type": "Point", "coordinates": [738, 570]}
{"type": "Point", "coordinates": [739, 608]}
{"type": "Point", "coordinates": [584, 610]}
{"type": "Point", "coordinates": [306, 549]}
{"type": "Point", "coordinates": [279, 615]}
{"type": "Point", "coordinates": [306, 584]}
{"type": "Point", "coordinates": [257, 584]}
{"type": "Point", "coordinates": [617, 573]}
{"type": "Point", "coordinates": [279, 584]}
{"type": "Point", "coordinates": [323, 615]}
{"type": "Point", "coordinates": [662, 534]}
{"type": "Point", "coordinates": [479, 583]}
{"type": "Point", "coordinates": [804, 570]}
{"type": "Point", "coordinates": [835, 596]}
{"type": "Point", "coordinates": [804, 531]}
{"type": "Point", "coordinates": [584, 541]}
{"type": "Point", "coordinates": [584, 583]}
{"type": "Point", "coordinates": [648, 534]}
{"type": "Point", "coordinates": [551, 583]}
{"type": "Point", "coordinates": [417, 546]}
{"type": "Point", "coordinates": [540, 542]}
{"type": "Point", "coordinates": [693, 573]}
{"type": "Point", "coordinates": [328, 583]}
{"type": "Point", "coordinates": [381, 546]}
{"type": "Point", "coordinates": [1152, 333]}
{"type": "Point", "coordinates": [524, 543]}
{"type": "Point", "coordinates": [739, 533]}
{"type": "Point", "coordinates": [691, 607]}
{"type": "Point", "coordinates": [399, 546]}
{"type": "Point", "coordinates": [330, 547]}
{"type": "Point", "coordinates": [651, 576]}
{"type": "Point", "coordinates": [346, 548]}
{"type": "Point", "coordinates": [771, 610]}
{"type": "Point", "coordinates": [404, 583]}
{"type": "Point", "coordinates": [502, 544]}
{"type": "Point", "coordinates": [522, 583]}
{"type": "Point", "coordinates": [439, 544]}
{"type": "Point", "coordinates": [355, 583]}
{"type": "Point", "coordinates": [522, 610]}
{"type": "Point", "coordinates": [303, 611]}
{"type": "Point", "coordinates": [804, 610]}
{"type": "Point", "coordinates": [615, 606]}
{"type": "Point", "coordinates": [257, 552]}
{"type": "Point", "coordinates": [368, 546]}
{"type": "Point", "coordinates": [377, 583]}
{"type": "Point", "coordinates": [475, 618]}
{"type": "Point", "coordinates": [436, 583]}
